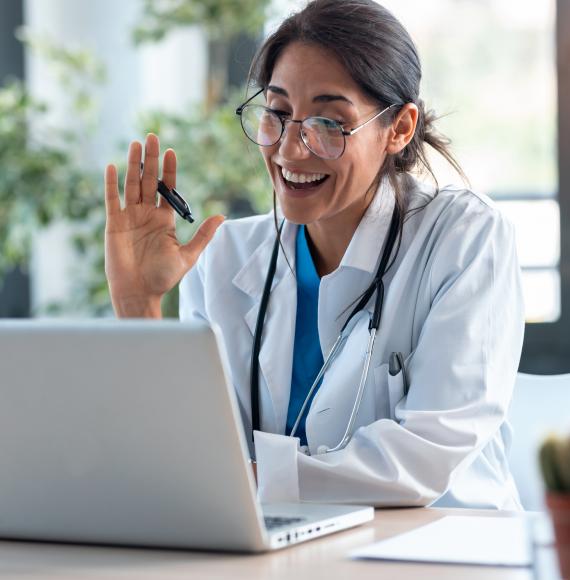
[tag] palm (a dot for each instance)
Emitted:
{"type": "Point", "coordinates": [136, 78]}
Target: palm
{"type": "Point", "coordinates": [143, 257]}
{"type": "Point", "coordinates": [142, 251]}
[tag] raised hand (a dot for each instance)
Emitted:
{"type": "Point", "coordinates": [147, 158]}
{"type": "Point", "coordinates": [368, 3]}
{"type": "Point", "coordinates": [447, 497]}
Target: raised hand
{"type": "Point", "coordinates": [143, 257]}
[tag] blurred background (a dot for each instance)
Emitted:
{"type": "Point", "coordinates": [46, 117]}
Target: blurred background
{"type": "Point", "coordinates": [79, 80]}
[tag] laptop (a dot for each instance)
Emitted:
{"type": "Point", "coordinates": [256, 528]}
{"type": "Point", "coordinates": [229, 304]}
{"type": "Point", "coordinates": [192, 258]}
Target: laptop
{"type": "Point", "coordinates": [128, 433]}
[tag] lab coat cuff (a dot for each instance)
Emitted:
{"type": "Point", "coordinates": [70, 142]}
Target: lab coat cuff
{"type": "Point", "coordinates": [277, 469]}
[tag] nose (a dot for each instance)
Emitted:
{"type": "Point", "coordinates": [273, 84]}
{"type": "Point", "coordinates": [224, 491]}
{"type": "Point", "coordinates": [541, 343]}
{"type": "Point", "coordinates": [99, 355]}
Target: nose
{"type": "Point", "coordinates": [291, 146]}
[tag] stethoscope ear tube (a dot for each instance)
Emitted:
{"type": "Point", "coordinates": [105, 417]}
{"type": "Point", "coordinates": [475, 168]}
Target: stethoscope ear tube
{"type": "Point", "coordinates": [377, 312]}
{"type": "Point", "coordinates": [254, 378]}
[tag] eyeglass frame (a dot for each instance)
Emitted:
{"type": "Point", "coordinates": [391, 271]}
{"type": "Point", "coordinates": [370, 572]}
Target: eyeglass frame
{"type": "Point", "coordinates": [345, 133]}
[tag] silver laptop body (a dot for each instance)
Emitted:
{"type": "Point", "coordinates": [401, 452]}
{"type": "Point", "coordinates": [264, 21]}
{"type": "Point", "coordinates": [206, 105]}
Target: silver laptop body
{"type": "Point", "coordinates": [127, 432]}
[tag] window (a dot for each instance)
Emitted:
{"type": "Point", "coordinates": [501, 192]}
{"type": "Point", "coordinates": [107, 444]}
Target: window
{"type": "Point", "coordinates": [489, 68]}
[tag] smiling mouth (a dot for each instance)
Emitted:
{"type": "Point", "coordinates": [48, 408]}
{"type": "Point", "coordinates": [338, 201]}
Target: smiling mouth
{"type": "Point", "coordinates": [307, 185]}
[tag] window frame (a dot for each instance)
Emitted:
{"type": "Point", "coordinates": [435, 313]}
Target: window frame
{"type": "Point", "coordinates": [546, 348]}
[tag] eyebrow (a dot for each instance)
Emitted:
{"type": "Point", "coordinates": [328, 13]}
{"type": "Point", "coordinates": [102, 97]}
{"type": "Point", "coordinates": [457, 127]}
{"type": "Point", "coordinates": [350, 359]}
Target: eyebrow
{"type": "Point", "coordinates": [317, 99]}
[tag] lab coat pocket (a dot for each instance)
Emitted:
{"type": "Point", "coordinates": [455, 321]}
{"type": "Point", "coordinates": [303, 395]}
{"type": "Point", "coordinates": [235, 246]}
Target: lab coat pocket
{"type": "Point", "coordinates": [396, 391]}
{"type": "Point", "coordinates": [381, 392]}
{"type": "Point", "coordinates": [390, 390]}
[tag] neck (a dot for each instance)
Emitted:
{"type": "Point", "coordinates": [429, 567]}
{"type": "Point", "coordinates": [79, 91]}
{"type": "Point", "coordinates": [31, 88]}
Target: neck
{"type": "Point", "coordinates": [329, 238]}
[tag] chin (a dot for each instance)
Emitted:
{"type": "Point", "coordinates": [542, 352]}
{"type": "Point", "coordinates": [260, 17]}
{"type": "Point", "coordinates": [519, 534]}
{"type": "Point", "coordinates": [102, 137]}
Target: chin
{"type": "Point", "coordinates": [297, 214]}
{"type": "Point", "coordinates": [300, 207]}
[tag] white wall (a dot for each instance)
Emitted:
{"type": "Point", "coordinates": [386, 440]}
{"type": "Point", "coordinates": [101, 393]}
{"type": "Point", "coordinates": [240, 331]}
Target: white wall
{"type": "Point", "coordinates": [169, 75]}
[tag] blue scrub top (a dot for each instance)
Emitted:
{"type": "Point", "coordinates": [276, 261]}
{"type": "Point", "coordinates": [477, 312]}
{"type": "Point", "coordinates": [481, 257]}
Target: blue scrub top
{"type": "Point", "coordinates": [307, 355]}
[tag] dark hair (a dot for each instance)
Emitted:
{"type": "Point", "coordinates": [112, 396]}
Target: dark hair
{"type": "Point", "coordinates": [381, 57]}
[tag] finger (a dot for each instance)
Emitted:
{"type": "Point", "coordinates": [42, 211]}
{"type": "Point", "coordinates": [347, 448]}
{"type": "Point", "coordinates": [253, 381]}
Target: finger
{"type": "Point", "coordinates": [133, 176]}
{"type": "Point", "coordinates": [168, 174]}
{"type": "Point", "coordinates": [150, 171]}
{"type": "Point", "coordinates": [192, 250]}
{"type": "Point", "coordinates": [112, 201]}
{"type": "Point", "coordinates": [169, 168]}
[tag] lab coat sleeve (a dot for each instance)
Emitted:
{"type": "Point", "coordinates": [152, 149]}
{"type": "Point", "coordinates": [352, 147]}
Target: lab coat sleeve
{"type": "Point", "coordinates": [462, 372]}
{"type": "Point", "coordinates": [191, 299]}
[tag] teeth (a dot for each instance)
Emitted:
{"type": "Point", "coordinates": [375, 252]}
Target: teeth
{"type": "Point", "coordinates": [301, 177]}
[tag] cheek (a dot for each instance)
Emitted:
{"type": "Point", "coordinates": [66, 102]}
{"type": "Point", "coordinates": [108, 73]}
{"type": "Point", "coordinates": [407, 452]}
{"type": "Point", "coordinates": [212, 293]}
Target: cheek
{"type": "Point", "coordinates": [356, 170]}
{"type": "Point", "coordinates": [267, 153]}
{"type": "Point", "coordinates": [366, 160]}
{"type": "Point", "coordinates": [350, 168]}
{"type": "Point", "coordinates": [264, 154]}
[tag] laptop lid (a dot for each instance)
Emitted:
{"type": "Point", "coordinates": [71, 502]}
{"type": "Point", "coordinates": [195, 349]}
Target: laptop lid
{"type": "Point", "coordinates": [122, 432]}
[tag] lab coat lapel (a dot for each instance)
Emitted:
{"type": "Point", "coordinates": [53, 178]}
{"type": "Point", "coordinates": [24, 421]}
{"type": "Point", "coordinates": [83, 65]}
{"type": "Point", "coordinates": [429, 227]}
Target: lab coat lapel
{"type": "Point", "coordinates": [276, 353]}
{"type": "Point", "coordinates": [341, 289]}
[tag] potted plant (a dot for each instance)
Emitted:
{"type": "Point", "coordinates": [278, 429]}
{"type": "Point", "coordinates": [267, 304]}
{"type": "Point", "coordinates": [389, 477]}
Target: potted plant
{"type": "Point", "coordinates": [555, 466]}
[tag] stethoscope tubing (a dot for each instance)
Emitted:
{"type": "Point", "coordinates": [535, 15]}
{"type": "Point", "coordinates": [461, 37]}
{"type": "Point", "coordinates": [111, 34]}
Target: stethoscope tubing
{"type": "Point", "coordinates": [376, 286]}
{"type": "Point", "coordinates": [335, 348]}
{"type": "Point", "coordinates": [255, 414]}
{"type": "Point", "coordinates": [356, 407]}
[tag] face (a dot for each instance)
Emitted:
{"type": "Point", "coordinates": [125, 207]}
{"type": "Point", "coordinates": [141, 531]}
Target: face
{"type": "Point", "coordinates": [307, 81]}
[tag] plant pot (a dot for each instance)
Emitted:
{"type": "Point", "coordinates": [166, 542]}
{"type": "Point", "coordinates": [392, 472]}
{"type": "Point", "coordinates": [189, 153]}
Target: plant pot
{"type": "Point", "coordinates": [559, 508]}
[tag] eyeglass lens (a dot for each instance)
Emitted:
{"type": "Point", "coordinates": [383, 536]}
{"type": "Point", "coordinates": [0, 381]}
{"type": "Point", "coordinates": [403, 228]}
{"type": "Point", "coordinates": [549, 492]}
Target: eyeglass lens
{"type": "Point", "coordinates": [322, 136]}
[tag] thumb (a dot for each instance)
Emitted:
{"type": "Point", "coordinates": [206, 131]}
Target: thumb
{"type": "Point", "coordinates": [192, 250]}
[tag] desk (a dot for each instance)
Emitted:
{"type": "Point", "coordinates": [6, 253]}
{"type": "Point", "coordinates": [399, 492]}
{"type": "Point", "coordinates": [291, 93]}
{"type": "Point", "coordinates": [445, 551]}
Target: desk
{"type": "Point", "coordinates": [322, 558]}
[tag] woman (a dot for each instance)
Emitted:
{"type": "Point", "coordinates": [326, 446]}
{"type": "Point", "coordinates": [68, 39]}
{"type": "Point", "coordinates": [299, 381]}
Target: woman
{"type": "Point", "coordinates": [357, 236]}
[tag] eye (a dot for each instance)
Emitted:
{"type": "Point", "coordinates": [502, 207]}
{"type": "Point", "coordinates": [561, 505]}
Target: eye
{"type": "Point", "coordinates": [341, 122]}
{"type": "Point", "coordinates": [279, 113]}
{"type": "Point", "coordinates": [333, 119]}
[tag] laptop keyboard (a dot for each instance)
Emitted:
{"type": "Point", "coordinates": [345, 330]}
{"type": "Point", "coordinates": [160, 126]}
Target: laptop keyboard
{"type": "Point", "coordinates": [272, 522]}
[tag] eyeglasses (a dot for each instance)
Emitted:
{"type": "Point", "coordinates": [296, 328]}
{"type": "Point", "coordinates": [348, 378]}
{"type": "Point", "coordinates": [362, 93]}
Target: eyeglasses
{"type": "Point", "coordinates": [324, 137]}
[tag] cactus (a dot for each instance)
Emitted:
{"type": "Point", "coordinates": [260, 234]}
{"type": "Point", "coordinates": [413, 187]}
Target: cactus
{"type": "Point", "coordinates": [554, 459]}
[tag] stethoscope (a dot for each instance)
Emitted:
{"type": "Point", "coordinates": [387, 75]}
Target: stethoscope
{"type": "Point", "coordinates": [377, 286]}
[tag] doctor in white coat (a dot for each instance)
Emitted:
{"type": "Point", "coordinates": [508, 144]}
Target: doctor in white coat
{"type": "Point", "coordinates": [341, 128]}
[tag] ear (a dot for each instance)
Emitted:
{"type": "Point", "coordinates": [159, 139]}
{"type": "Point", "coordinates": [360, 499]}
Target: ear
{"type": "Point", "coordinates": [402, 130]}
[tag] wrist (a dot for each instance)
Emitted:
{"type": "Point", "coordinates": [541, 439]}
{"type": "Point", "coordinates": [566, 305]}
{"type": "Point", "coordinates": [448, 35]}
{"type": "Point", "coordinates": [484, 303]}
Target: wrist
{"type": "Point", "coordinates": [137, 307]}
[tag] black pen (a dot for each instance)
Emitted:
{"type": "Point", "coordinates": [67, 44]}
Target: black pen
{"type": "Point", "coordinates": [176, 201]}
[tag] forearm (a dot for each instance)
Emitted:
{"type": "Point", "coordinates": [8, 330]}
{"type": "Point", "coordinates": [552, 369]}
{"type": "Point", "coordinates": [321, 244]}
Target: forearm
{"type": "Point", "coordinates": [137, 307]}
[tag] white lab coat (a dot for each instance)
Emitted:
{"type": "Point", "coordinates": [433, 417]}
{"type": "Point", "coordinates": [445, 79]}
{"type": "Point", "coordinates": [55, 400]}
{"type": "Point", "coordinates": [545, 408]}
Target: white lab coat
{"type": "Point", "coordinates": [453, 306]}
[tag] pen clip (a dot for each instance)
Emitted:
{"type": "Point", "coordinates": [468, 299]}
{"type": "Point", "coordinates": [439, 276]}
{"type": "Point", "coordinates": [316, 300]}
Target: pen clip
{"type": "Point", "coordinates": [395, 365]}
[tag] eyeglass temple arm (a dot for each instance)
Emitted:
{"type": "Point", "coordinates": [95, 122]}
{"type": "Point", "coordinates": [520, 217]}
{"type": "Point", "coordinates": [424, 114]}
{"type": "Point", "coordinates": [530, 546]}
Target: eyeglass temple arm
{"type": "Point", "coordinates": [240, 108]}
{"type": "Point", "coordinates": [356, 129]}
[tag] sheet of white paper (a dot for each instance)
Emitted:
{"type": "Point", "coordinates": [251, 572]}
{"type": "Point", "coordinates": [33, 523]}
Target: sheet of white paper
{"type": "Point", "coordinates": [490, 541]}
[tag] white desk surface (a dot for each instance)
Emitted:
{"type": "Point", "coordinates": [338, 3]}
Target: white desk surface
{"type": "Point", "coordinates": [322, 558]}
